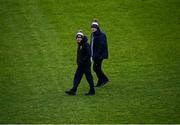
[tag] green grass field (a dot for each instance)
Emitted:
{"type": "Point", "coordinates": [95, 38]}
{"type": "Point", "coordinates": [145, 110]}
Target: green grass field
{"type": "Point", "coordinates": [38, 53]}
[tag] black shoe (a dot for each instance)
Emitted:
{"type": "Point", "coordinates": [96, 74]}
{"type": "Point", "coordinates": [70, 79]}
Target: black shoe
{"type": "Point", "coordinates": [105, 83]}
{"type": "Point", "coordinates": [90, 93]}
{"type": "Point", "coordinates": [70, 92]}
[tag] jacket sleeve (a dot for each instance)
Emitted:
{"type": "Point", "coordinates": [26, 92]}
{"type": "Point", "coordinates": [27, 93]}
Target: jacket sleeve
{"type": "Point", "coordinates": [86, 56]}
{"type": "Point", "coordinates": [87, 53]}
{"type": "Point", "coordinates": [103, 46]}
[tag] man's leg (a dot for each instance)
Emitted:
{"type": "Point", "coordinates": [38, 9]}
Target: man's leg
{"type": "Point", "coordinates": [77, 78]}
{"type": "Point", "coordinates": [89, 78]}
{"type": "Point", "coordinates": [102, 78]}
{"type": "Point", "coordinates": [97, 70]}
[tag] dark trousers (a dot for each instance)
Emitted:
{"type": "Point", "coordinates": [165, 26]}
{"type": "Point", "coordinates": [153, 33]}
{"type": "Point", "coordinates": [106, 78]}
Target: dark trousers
{"type": "Point", "coordinates": [98, 70]}
{"type": "Point", "coordinates": [79, 74]}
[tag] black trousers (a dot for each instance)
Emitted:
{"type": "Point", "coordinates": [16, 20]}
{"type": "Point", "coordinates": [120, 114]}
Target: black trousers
{"type": "Point", "coordinates": [98, 70]}
{"type": "Point", "coordinates": [79, 74]}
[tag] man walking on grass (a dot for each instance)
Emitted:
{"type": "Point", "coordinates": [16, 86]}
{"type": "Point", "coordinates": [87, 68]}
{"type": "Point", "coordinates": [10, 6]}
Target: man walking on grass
{"type": "Point", "coordinates": [99, 52]}
{"type": "Point", "coordinates": [84, 65]}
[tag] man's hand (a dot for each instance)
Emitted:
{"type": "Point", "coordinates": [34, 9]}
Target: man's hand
{"type": "Point", "coordinates": [91, 60]}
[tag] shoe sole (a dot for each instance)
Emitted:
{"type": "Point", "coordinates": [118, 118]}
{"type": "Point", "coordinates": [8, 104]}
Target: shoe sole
{"type": "Point", "coordinates": [90, 95]}
{"type": "Point", "coordinates": [70, 94]}
{"type": "Point", "coordinates": [105, 84]}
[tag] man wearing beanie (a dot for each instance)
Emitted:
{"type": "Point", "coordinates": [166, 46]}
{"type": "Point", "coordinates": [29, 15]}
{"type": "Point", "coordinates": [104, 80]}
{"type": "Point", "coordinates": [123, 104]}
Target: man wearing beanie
{"type": "Point", "coordinates": [99, 51]}
{"type": "Point", "coordinates": [84, 65]}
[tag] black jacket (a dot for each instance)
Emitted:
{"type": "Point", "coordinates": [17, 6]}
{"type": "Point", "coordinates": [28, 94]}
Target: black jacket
{"type": "Point", "coordinates": [83, 53]}
{"type": "Point", "coordinates": [99, 47]}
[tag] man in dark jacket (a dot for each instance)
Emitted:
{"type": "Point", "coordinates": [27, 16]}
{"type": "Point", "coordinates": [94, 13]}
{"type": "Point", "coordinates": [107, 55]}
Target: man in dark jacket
{"type": "Point", "coordinates": [99, 51]}
{"type": "Point", "coordinates": [84, 65]}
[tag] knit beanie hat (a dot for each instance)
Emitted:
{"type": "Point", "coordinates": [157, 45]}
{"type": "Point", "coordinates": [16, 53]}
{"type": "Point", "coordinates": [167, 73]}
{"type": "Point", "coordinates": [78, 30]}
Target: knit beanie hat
{"type": "Point", "coordinates": [79, 34]}
{"type": "Point", "coordinates": [94, 24]}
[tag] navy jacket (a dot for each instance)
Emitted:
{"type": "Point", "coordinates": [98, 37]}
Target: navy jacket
{"type": "Point", "coordinates": [83, 53]}
{"type": "Point", "coordinates": [99, 46]}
